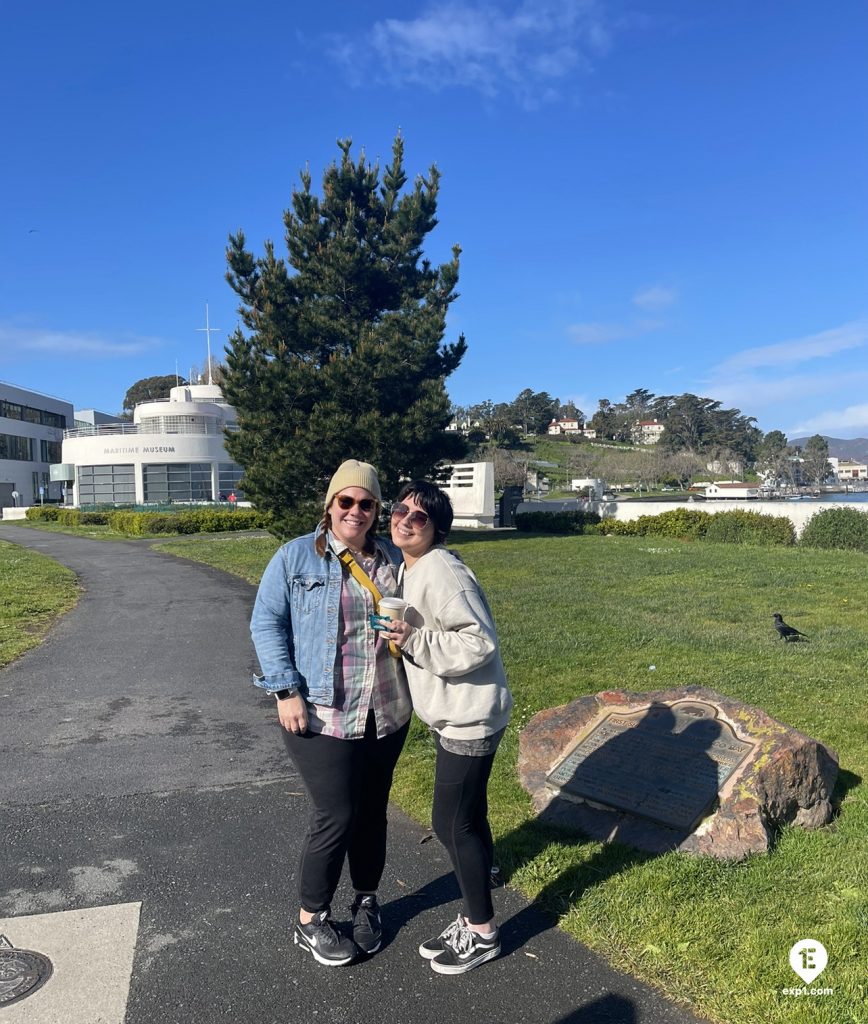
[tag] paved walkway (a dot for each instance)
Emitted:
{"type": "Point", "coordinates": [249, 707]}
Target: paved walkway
{"type": "Point", "coordinates": [152, 826]}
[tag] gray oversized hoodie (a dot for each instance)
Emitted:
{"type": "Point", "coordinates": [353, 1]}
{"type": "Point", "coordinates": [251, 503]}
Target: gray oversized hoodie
{"type": "Point", "coordinates": [452, 657]}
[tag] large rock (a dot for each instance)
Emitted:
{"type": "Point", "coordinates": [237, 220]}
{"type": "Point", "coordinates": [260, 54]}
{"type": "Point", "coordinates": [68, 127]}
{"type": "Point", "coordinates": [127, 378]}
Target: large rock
{"type": "Point", "coordinates": [782, 776]}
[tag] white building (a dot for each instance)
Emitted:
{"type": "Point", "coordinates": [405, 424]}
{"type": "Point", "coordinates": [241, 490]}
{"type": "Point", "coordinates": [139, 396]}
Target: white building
{"type": "Point", "coordinates": [31, 431]}
{"type": "Point", "coordinates": [648, 431]}
{"type": "Point", "coordinates": [172, 451]}
{"type": "Point", "coordinates": [848, 469]}
{"type": "Point", "coordinates": [731, 489]}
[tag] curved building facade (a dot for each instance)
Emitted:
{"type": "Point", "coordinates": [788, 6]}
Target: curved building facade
{"type": "Point", "coordinates": [172, 451]}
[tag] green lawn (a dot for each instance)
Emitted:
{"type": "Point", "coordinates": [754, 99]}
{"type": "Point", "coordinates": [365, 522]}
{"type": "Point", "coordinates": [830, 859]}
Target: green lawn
{"type": "Point", "coordinates": [33, 592]}
{"type": "Point", "coordinates": [583, 614]}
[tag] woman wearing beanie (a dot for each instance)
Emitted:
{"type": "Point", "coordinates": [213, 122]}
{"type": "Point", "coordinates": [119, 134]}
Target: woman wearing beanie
{"type": "Point", "coordinates": [459, 690]}
{"type": "Point", "coordinates": [342, 701]}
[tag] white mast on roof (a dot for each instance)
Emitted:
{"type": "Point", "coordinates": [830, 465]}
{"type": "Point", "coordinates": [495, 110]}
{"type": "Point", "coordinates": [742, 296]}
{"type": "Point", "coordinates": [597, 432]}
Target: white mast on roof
{"type": "Point", "coordinates": [208, 329]}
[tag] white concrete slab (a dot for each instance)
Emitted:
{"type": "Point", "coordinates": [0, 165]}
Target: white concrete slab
{"type": "Point", "coordinates": [92, 953]}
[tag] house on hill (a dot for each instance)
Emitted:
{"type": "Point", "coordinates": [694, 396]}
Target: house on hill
{"type": "Point", "coordinates": [647, 431]}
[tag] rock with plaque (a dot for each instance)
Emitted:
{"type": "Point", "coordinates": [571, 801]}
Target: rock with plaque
{"type": "Point", "coordinates": [685, 769]}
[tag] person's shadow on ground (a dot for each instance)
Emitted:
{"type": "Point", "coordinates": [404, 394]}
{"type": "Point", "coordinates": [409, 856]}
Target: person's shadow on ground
{"type": "Point", "coordinates": [641, 768]}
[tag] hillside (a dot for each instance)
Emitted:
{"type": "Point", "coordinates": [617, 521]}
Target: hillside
{"type": "Point", "coordinates": [855, 448]}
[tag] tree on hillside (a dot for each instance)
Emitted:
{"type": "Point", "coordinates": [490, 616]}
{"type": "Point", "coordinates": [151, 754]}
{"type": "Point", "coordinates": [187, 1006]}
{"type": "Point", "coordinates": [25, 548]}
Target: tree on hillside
{"type": "Point", "coordinates": [700, 425]}
{"type": "Point", "coordinates": [569, 411]}
{"type": "Point", "coordinates": [815, 459]}
{"type": "Point", "coordinates": [773, 458]}
{"type": "Point", "coordinates": [340, 351]}
{"type": "Point", "coordinates": [150, 389]}
{"type": "Point", "coordinates": [534, 411]}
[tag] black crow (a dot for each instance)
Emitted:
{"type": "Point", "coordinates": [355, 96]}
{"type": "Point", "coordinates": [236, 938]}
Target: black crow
{"type": "Point", "coordinates": [787, 633]}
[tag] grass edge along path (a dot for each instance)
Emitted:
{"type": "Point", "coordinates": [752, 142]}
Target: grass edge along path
{"type": "Point", "coordinates": [34, 592]}
{"type": "Point", "coordinates": [577, 615]}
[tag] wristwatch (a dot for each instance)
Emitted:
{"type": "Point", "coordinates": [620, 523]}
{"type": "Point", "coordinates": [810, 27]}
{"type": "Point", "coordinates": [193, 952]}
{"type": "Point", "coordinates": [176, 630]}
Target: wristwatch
{"type": "Point", "coordinates": [286, 694]}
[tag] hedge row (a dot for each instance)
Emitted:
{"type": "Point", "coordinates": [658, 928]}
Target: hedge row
{"type": "Point", "coordinates": [557, 522]}
{"type": "Point", "coordinates": [734, 527]}
{"type": "Point", "coordinates": [141, 524]}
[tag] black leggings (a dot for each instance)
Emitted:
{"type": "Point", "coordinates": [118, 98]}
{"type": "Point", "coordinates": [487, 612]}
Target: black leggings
{"type": "Point", "coordinates": [348, 782]}
{"type": "Point", "coordinates": [460, 820]}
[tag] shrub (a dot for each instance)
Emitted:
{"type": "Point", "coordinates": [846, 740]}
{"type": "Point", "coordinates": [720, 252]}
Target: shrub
{"type": "Point", "coordinates": [555, 522]}
{"type": "Point", "coordinates": [95, 518]}
{"type": "Point", "coordinates": [740, 526]}
{"type": "Point", "coordinates": [845, 528]}
{"type": "Point", "coordinates": [217, 520]}
{"type": "Point", "coordinates": [677, 522]}
{"type": "Point", "coordinates": [43, 513]}
{"type": "Point", "coordinates": [139, 524]}
{"type": "Point", "coordinates": [69, 516]}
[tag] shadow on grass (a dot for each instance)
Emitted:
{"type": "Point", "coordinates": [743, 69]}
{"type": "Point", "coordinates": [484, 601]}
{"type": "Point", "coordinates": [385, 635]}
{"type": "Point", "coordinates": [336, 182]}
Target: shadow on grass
{"type": "Point", "coordinates": [529, 841]}
{"type": "Point", "coordinates": [843, 784]}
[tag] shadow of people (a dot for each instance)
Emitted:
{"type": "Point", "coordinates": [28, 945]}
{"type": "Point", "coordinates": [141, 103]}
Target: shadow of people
{"type": "Point", "coordinates": [640, 783]}
{"type": "Point", "coordinates": [608, 1009]}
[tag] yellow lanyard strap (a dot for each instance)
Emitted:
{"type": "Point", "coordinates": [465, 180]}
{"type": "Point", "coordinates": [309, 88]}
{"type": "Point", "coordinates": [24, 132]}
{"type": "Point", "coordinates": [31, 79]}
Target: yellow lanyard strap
{"type": "Point", "coordinates": [360, 576]}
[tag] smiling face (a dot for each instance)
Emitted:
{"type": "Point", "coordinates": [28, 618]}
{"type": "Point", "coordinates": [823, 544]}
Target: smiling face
{"type": "Point", "coordinates": [413, 540]}
{"type": "Point", "coordinates": [351, 525]}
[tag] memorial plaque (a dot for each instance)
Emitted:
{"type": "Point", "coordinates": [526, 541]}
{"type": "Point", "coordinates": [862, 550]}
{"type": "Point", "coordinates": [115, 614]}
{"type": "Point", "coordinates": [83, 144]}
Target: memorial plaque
{"type": "Point", "coordinates": [666, 762]}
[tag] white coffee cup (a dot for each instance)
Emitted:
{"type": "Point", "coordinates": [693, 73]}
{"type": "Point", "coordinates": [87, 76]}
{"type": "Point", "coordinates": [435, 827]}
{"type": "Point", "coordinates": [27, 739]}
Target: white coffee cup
{"type": "Point", "coordinates": [392, 607]}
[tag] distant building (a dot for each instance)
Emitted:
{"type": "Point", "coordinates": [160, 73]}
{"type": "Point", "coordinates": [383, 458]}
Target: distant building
{"type": "Point", "coordinates": [732, 489]}
{"type": "Point", "coordinates": [847, 469]}
{"type": "Point", "coordinates": [31, 432]}
{"type": "Point", "coordinates": [647, 431]}
{"type": "Point", "coordinates": [564, 427]}
{"type": "Point", "coordinates": [172, 451]}
{"type": "Point", "coordinates": [92, 418]}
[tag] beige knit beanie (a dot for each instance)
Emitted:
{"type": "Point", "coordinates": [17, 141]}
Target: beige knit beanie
{"type": "Point", "coordinates": [353, 473]}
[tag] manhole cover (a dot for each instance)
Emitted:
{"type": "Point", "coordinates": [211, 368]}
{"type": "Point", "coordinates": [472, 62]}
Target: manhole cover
{"type": "Point", "coordinates": [22, 972]}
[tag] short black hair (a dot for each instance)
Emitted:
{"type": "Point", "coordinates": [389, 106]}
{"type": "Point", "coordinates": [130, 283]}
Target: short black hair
{"type": "Point", "coordinates": [433, 501]}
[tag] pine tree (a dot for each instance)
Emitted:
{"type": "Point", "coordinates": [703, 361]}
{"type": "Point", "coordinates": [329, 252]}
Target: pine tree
{"type": "Point", "coordinates": [342, 356]}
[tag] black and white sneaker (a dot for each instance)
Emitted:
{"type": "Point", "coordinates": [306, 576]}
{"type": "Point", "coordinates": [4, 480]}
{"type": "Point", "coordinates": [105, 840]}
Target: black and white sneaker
{"type": "Point", "coordinates": [437, 945]}
{"type": "Point", "coordinates": [367, 926]}
{"type": "Point", "coordinates": [324, 942]}
{"type": "Point", "coordinates": [466, 949]}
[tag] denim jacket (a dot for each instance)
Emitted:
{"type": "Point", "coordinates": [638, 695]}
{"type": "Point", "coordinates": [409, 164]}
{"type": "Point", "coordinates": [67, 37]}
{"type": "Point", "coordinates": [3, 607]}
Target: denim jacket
{"type": "Point", "coordinates": [295, 618]}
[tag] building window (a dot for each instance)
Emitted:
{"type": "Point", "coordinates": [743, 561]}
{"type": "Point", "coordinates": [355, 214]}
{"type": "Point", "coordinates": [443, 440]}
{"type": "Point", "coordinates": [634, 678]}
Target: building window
{"type": "Point", "coordinates": [18, 449]}
{"type": "Point", "coordinates": [106, 485]}
{"type": "Point", "coordinates": [228, 475]}
{"type": "Point", "coordinates": [50, 451]}
{"type": "Point", "coordinates": [14, 411]}
{"type": "Point", "coordinates": [177, 481]}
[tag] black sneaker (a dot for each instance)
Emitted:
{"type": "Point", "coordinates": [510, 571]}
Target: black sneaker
{"type": "Point", "coordinates": [324, 942]}
{"type": "Point", "coordinates": [367, 926]}
{"type": "Point", "coordinates": [466, 949]}
{"type": "Point", "coordinates": [437, 945]}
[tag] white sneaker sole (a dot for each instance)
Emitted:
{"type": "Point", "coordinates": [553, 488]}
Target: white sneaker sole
{"type": "Point", "coordinates": [320, 959]}
{"type": "Point", "coordinates": [490, 954]}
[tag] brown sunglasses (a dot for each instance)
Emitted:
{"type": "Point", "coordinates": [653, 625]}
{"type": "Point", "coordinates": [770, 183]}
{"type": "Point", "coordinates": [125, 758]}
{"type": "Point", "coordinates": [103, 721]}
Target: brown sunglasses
{"type": "Point", "coordinates": [345, 502]}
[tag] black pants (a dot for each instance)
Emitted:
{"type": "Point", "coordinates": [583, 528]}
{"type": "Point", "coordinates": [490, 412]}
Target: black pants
{"type": "Point", "coordinates": [460, 820]}
{"type": "Point", "coordinates": [348, 782]}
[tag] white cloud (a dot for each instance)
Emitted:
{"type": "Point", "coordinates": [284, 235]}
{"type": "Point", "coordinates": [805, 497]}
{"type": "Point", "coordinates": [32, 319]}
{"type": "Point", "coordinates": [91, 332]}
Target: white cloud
{"type": "Point", "coordinates": [529, 51]}
{"type": "Point", "coordinates": [785, 354]}
{"type": "Point", "coordinates": [596, 333]}
{"type": "Point", "coordinates": [656, 297]}
{"type": "Point", "coordinates": [851, 421]}
{"type": "Point", "coordinates": [25, 341]}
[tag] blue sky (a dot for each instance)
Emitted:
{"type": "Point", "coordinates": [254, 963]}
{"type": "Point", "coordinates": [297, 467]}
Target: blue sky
{"type": "Point", "coordinates": [659, 194]}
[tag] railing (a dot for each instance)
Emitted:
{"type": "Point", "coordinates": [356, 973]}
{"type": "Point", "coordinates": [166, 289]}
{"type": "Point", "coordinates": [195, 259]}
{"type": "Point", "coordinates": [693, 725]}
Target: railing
{"type": "Point", "coordinates": [117, 429]}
